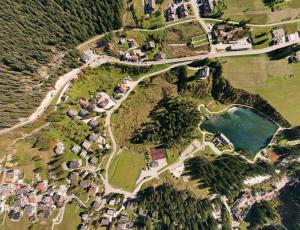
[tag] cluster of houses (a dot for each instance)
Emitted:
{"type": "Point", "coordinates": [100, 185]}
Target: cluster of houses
{"type": "Point", "coordinates": [248, 198]}
{"type": "Point", "coordinates": [279, 36]}
{"type": "Point", "coordinates": [226, 33]}
{"type": "Point", "coordinates": [136, 54]}
{"type": "Point", "coordinates": [37, 200]}
{"type": "Point", "coordinates": [178, 9]}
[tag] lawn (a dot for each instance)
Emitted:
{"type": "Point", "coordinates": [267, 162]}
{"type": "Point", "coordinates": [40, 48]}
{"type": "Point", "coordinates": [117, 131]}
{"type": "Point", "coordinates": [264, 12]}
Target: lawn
{"type": "Point", "coordinates": [207, 153]}
{"type": "Point", "coordinates": [125, 169]}
{"type": "Point", "coordinates": [276, 81]}
{"type": "Point", "coordinates": [71, 218]}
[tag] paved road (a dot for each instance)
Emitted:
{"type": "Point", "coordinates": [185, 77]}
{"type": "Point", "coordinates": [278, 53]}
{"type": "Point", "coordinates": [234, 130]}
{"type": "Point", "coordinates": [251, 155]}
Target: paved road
{"type": "Point", "coordinates": [63, 80]}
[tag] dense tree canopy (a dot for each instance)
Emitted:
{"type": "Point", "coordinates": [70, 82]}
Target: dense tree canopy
{"type": "Point", "coordinates": [172, 209]}
{"type": "Point", "coordinates": [173, 120]}
{"type": "Point", "coordinates": [36, 32]}
{"type": "Point", "coordinates": [224, 175]}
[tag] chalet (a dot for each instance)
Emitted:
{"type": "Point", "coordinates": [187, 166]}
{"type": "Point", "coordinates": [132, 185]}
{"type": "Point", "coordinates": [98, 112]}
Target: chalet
{"type": "Point", "coordinates": [84, 103]}
{"type": "Point", "coordinates": [222, 139]}
{"type": "Point", "coordinates": [182, 11]}
{"type": "Point", "coordinates": [93, 160]}
{"type": "Point", "coordinates": [96, 205]}
{"type": "Point", "coordinates": [110, 212]}
{"type": "Point", "coordinates": [41, 187]}
{"type": "Point", "coordinates": [58, 200]}
{"type": "Point", "coordinates": [59, 148]}
{"type": "Point", "coordinates": [123, 218]}
{"type": "Point", "coordinates": [140, 54]}
{"type": "Point", "coordinates": [91, 107]}
{"type": "Point", "coordinates": [132, 43]}
{"type": "Point", "coordinates": [72, 113]}
{"type": "Point", "coordinates": [93, 190]}
{"type": "Point", "coordinates": [72, 177]}
{"type": "Point", "coordinates": [87, 145]}
{"type": "Point", "coordinates": [93, 137]}
{"type": "Point", "coordinates": [103, 104]}
{"type": "Point", "coordinates": [75, 149]}
{"type": "Point", "coordinates": [203, 72]}
{"type": "Point", "coordinates": [93, 124]}
{"type": "Point", "coordinates": [157, 154]}
{"type": "Point", "coordinates": [83, 153]}
{"type": "Point", "coordinates": [206, 6]}
{"type": "Point", "coordinates": [87, 55]}
{"type": "Point", "coordinates": [75, 164]}
{"type": "Point", "coordinates": [160, 56]}
{"type": "Point", "coordinates": [150, 45]}
{"type": "Point", "coordinates": [104, 222]}
{"type": "Point", "coordinates": [84, 184]}
{"type": "Point", "coordinates": [83, 113]}
{"type": "Point", "coordinates": [170, 14]}
{"type": "Point", "coordinates": [85, 218]}
{"type": "Point", "coordinates": [278, 35]}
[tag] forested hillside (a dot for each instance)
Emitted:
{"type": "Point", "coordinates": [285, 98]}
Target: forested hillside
{"type": "Point", "coordinates": [37, 38]}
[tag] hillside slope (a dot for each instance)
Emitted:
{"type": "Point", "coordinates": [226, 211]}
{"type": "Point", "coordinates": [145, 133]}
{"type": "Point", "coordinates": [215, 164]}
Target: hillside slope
{"type": "Point", "coordinates": [37, 38]}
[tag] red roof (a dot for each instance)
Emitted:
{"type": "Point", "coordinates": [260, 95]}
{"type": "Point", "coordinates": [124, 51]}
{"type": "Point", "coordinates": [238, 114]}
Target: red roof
{"type": "Point", "coordinates": [273, 156]}
{"type": "Point", "coordinates": [41, 187]}
{"type": "Point", "coordinates": [157, 154]}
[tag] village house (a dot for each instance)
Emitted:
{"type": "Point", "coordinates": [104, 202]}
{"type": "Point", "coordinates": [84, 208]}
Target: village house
{"type": "Point", "coordinates": [83, 102]}
{"type": "Point", "coordinates": [93, 161]}
{"type": "Point", "coordinates": [149, 45]}
{"type": "Point", "coordinates": [87, 55]}
{"type": "Point", "coordinates": [110, 212]}
{"type": "Point", "coordinates": [83, 153]}
{"type": "Point", "coordinates": [96, 205]}
{"type": "Point", "coordinates": [278, 36]}
{"type": "Point", "coordinates": [74, 164]}
{"type": "Point", "coordinates": [84, 184]}
{"type": "Point", "coordinates": [132, 43]}
{"type": "Point", "coordinates": [93, 124]}
{"type": "Point", "coordinates": [87, 145]}
{"type": "Point", "coordinates": [170, 13]}
{"type": "Point", "coordinates": [222, 139]}
{"type": "Point", "coordinates": [93, 190]}
{"type": "Point", "coordinates": [59, 148]}
{"type": "Point", "coordinates": [182, 11]}
{"type": "Point", "coordinates": [75, 149]}
{"type": "Point", "coordinates": [206, 6]}
{"type": "Point", "coordinates": [140, 55]}
{"type": "Point", "coordinates": [124, 218]}
{"type": "Point", "coordinates": [104, 222]}
{"type": "Point", "coordinates": [41, 186]}
{"type": "Point", "coordinates": [72, 113]}
{"type": "Point", "coordinates": [72, 177]}
{"type": "Point", "coordinates": [93, 137]}
{"type": "Point", "coordinates": [91, 107]}
{"type": "Point", "coordinates": [159, 56]}
{"type": "Point", "coordinates": [203, 73]}
{"type": "Point", "coordinates": [83, 113]}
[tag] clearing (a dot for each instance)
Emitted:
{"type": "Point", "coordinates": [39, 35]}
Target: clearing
{"type": "Point", "coordinates": [125, 169]}
{"type": "Point", "coordinates": [276, 81]}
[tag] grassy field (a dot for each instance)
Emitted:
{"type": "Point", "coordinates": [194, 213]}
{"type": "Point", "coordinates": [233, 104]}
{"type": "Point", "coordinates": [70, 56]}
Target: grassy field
{"type": "Point", "coordinates": [71, 218]}
{"type": "Point", "coordinates": [276, 81]}
{"type": "Point", "coordinates": [259, 13]}
{"type": "Point", "coordinates": [125, 169]}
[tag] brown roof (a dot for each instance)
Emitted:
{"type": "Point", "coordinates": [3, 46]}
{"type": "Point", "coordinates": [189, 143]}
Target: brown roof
{"type": "Point", "coordinates": [104, 103]}
{"type": "Point", "coordinates": [122, 88]}
{"type": "Point", "coordinates": [83, 102]}
{"type": "Point", "coordinates": [273, 156]}
{"type": "Point", "coordinates": [157, 154]}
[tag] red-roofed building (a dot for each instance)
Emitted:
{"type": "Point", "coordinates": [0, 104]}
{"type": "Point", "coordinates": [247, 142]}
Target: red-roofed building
{"type": "Point", "coordinates": [157, 154]}
{"type": "Point", "coordinates": [273, 156]}
{"type": "Point", "coordinates": [84, 103]}
{"type": "Point", "coordinates": [93, 190]}
{"type": "Point", "coordinates": [41, 187]}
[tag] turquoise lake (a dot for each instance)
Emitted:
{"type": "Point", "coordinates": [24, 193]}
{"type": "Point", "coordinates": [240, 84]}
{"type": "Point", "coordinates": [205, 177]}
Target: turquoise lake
{"type": "Point", "coordinates": [246, 129]}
